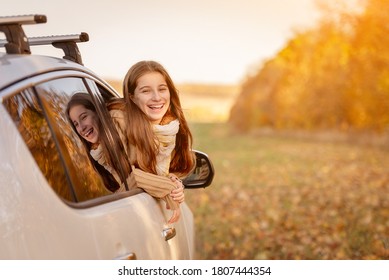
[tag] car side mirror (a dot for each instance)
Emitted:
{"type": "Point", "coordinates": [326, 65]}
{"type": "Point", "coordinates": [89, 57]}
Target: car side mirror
{"type": "Point", "coordinates": [203, 173]}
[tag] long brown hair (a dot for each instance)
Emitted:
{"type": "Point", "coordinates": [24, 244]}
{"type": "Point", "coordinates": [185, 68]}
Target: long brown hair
{"type": "Point", "coordinates": [140, 132]}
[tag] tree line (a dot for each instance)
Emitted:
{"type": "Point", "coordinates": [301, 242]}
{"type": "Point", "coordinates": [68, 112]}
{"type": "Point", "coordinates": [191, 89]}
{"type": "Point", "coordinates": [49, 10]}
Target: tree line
{"type": "Point", "coordinates": [332, 76]}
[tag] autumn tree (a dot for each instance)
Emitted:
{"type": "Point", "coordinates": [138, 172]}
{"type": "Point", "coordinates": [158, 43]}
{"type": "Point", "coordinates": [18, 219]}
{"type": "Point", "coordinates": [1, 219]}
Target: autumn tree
{"type": "Point", "coordinates": [334, 76]}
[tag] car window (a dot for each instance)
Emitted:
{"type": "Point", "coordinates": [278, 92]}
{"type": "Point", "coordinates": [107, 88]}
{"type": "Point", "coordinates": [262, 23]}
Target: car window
{"type": "Point", "coordinates": [54, 96]}
{"type": "Point", "coordinates": [30, 121]}
{"type": "Point", "coordinates": [40, 117]}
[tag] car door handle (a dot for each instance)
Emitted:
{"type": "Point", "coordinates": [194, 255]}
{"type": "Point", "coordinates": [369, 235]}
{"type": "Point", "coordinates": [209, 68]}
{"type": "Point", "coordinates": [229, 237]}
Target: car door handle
{"type": "Point", "coordinates": [169, 233]}
{"type": "Point", "coordinates": [129, 256]}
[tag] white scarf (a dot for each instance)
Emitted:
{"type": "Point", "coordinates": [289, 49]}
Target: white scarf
{"type": "Point", "coordinates": [166, 137]}
{"type": "Point", "coordinates": [97, 155]}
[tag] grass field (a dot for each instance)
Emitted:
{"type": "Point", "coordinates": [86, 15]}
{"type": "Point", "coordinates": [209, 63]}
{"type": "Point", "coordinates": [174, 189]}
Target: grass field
{"type": "Point", "coordinates": [279, 197]}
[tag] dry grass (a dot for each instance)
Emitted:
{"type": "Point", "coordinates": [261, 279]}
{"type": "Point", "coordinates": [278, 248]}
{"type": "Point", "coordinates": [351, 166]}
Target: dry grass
{"type": "Point", "coordinates": [279, 197]}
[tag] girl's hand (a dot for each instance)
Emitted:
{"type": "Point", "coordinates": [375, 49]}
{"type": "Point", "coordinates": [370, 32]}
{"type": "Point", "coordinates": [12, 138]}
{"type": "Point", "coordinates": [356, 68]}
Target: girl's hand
{"type": "Point", "coordinates": [175, 217]}
{"type": "Point", "coordinates": [178, 193]}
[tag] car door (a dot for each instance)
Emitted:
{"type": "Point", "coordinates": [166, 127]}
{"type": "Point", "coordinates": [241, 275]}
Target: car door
{"type": "Point", "coordinates": [79, 217]}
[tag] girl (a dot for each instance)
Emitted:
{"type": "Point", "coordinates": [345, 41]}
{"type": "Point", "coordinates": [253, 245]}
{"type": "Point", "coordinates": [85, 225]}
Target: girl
{"type": "Point", "coordinates": [163, 145]}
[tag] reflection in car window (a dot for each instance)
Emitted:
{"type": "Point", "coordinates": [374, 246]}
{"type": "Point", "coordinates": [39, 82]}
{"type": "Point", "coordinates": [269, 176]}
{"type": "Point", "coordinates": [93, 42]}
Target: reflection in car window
{"type": "Point", "coordinates": [30, 121]}
{"type": "Point", "coordinates": [54, 96]}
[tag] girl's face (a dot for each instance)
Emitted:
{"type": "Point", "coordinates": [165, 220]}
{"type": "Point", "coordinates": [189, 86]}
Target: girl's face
{"type": "Point", "coordinates": [86, 123]}
{"type": "Point", "coordinates": [152, 96]}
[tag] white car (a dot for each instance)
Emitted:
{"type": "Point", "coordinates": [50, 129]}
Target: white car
{"type": "Point", "coordinates": [53, 204]}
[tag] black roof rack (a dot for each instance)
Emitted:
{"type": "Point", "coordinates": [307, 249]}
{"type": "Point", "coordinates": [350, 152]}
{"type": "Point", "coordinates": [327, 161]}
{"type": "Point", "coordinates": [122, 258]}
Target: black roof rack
{"type": "Point", "coordinates": [16, 41]}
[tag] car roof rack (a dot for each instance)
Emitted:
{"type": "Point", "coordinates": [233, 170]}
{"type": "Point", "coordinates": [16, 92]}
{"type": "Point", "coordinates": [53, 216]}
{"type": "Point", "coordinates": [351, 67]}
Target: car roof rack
{"type": "Point", "coordinates": [16, 41]}
{"type": "Point", "coordinates": [16, 38]}
{"type": "Point", "coordinates": [68, 43]}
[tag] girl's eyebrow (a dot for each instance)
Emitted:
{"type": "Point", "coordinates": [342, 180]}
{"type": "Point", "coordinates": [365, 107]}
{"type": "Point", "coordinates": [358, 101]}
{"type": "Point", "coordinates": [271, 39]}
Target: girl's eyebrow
{"type": "Point", "coordinates": [143, 87]}
{"type": "Point", "coordinates": [82, 114]}
{"type": "Point", "coordinates": [147, 86]}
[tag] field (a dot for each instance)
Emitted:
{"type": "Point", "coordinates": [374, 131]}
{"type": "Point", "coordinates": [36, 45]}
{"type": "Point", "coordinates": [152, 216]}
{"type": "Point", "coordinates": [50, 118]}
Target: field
{"type": "Point", "coordinates": [287, 197]}
{"type": "Point", "coordinates": [207, 103]}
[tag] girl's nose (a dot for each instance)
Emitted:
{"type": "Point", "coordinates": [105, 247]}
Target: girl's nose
{"type": "Point", "coordinates": [156, 96]}
{"type": "Point", "coordinates": [82, 126]}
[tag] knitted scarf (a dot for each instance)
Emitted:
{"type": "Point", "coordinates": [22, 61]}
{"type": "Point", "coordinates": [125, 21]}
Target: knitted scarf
{"type": "Point", "coordinates": [166, 137]}
{"type": "Point", "coordinates": [97, 155]}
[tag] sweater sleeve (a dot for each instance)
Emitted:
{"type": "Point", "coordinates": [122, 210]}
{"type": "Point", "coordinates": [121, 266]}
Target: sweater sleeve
{"type": "Point", "coordinates": [156, 186]}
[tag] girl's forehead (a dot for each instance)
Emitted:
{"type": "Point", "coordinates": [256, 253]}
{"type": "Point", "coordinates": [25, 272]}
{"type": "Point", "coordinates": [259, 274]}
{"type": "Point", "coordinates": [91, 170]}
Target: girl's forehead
{"type": "Point", "coordinates": [77, 110]}
{"type": "Point", "coordinates": [150, 77]}
{"type": "Point", "coordinates": [77, 107]}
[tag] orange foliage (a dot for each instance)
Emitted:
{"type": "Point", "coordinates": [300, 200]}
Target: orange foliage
{"type": "Point", "coordinates": [335, 76]}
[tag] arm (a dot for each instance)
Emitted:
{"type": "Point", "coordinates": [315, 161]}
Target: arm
{"type": "Point", "coordinates": [157, 186]}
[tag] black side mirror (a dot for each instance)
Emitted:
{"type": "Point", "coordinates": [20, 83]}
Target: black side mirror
{"type": "Point", "coordinates": [203, 173]}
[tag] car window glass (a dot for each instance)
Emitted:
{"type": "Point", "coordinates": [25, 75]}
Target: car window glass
{"type": "Point", "coordinates": [54, 96]}
{"type": "Point", "coordinates": [30, 121]}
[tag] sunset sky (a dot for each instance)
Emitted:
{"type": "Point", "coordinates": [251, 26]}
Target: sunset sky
{"type": "Point", "coordinates": [205, 41]}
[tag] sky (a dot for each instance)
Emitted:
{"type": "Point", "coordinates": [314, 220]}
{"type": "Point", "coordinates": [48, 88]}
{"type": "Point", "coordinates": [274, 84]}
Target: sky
{"type": "Point", "coordinates": [203, 41]}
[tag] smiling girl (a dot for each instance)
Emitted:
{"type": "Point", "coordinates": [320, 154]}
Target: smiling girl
{"type": "Point", "coordinates": [165, 139]}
